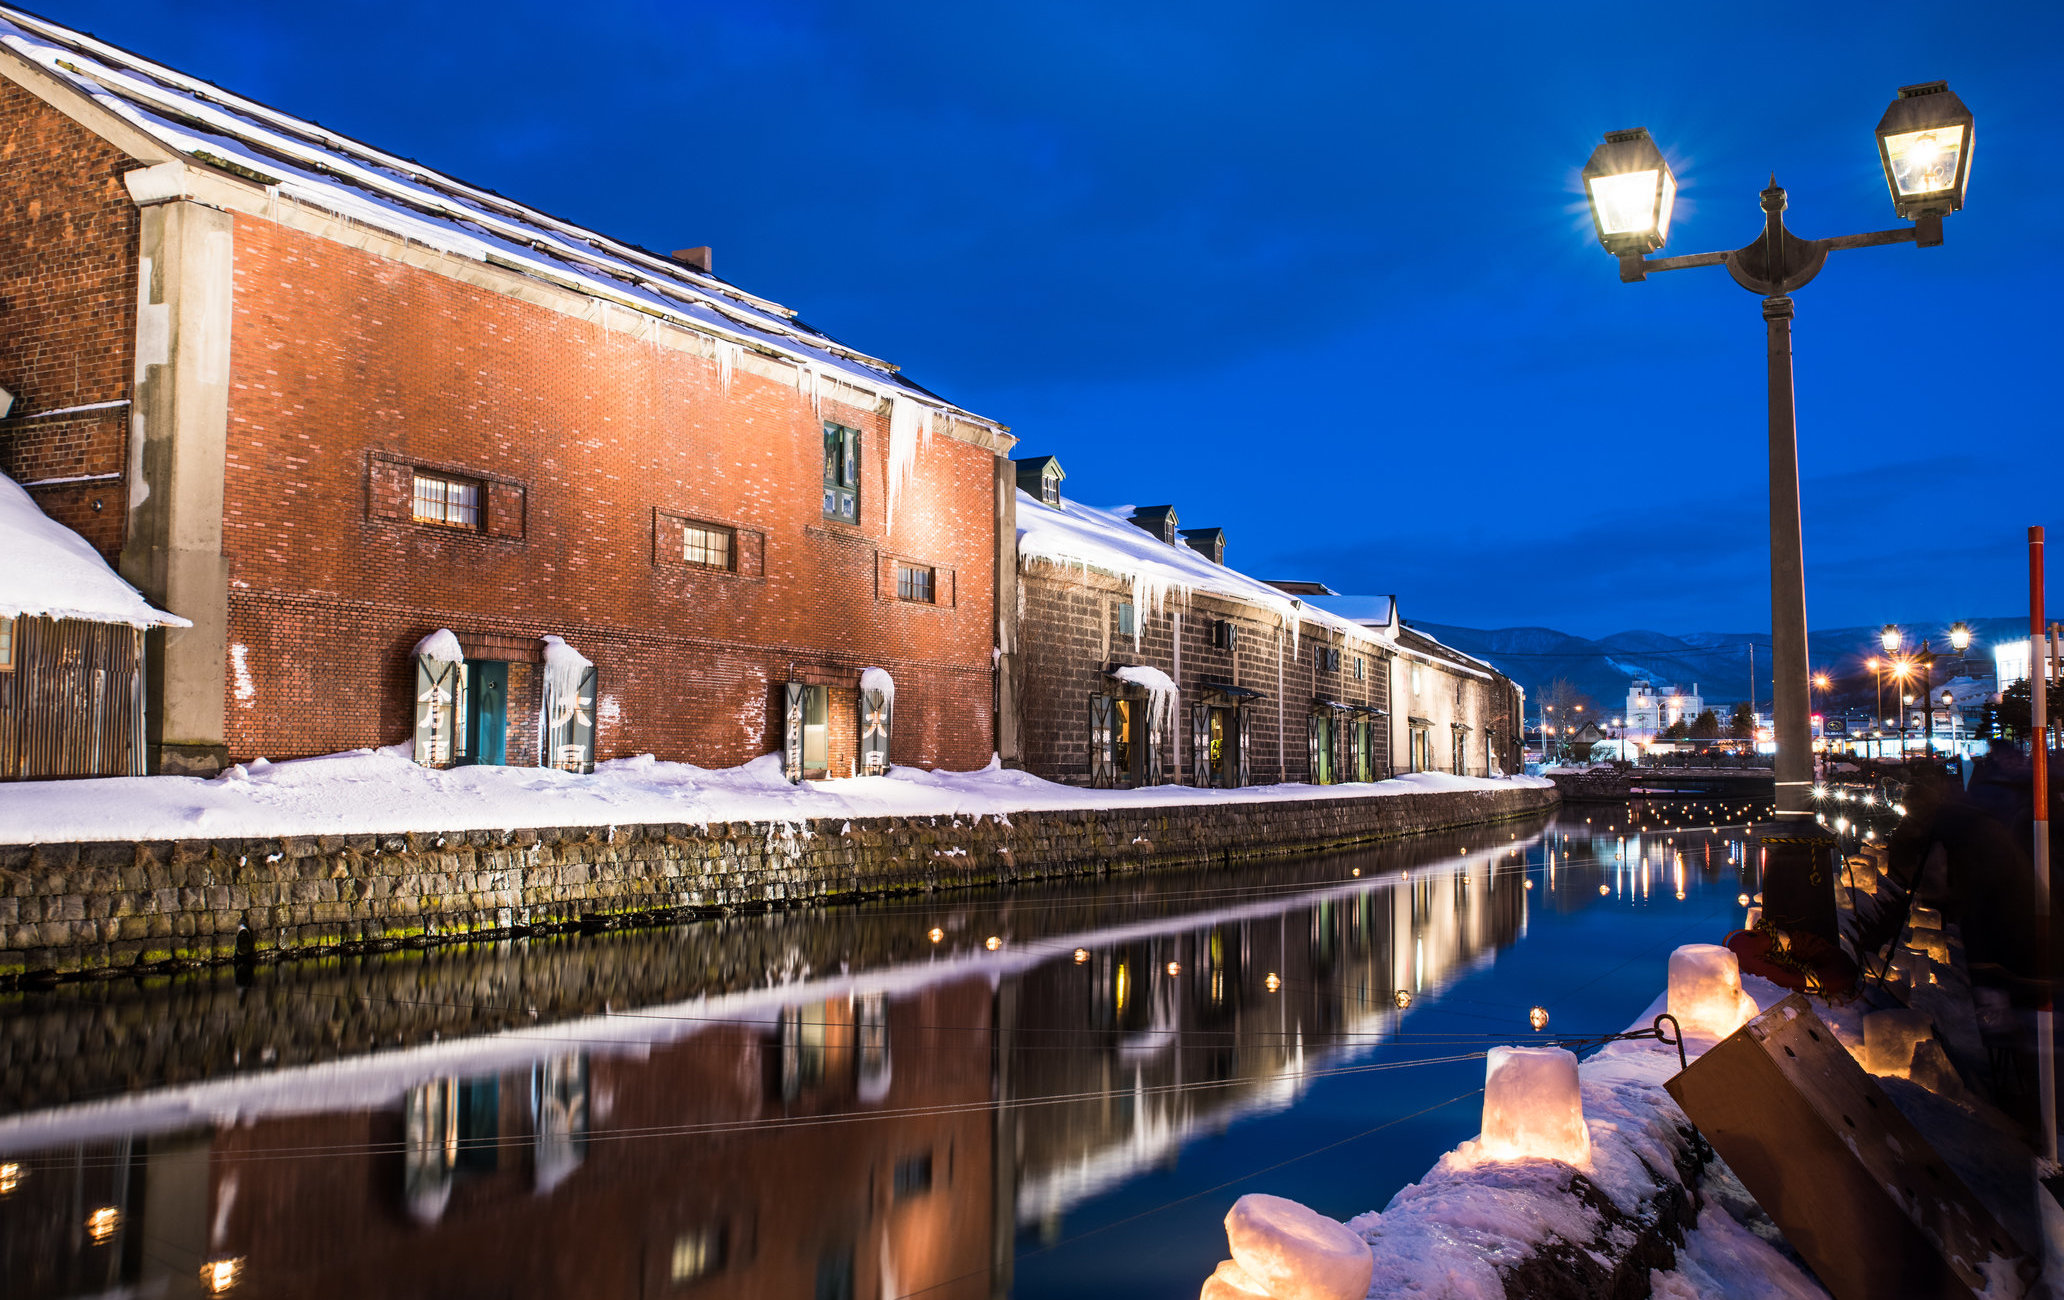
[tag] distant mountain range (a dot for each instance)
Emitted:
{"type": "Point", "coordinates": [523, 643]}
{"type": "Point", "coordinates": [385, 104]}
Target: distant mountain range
{"type": "Point", "coordinates": [1717, 662]}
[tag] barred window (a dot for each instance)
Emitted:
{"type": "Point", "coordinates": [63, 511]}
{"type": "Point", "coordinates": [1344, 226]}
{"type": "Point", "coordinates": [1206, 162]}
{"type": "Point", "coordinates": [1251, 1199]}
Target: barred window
{"type": "Point", "coordinates": [442, 499]}
{"type": "Point", "coordinates": [916, 583]}
{"type": "Point", "coordinates": [707, 545]}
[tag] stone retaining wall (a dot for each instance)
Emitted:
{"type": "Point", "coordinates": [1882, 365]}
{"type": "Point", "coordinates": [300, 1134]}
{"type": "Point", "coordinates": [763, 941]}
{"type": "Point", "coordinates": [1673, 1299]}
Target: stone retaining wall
{"type": "Point", "coordinates": [81, 908]}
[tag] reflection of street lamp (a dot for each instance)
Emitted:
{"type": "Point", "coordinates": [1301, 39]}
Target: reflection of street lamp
{"type": "Point", "coordinates": [1621, 727]}
{"type": "Point", "coordinates": [1924, 147]}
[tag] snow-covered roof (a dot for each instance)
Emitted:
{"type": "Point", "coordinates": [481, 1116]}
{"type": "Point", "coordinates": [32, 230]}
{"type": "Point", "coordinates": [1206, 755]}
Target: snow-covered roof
{"type": "Point", "coordinates": [1376, 611]}
{"type": "Point", "coordinates": [1413, 642]}
{"type": "Point", "coordinates": [314, 167]}
{"type": "Point", "coordinates": [1073, 535]}
{"type": "Point", "coordinates": [52, 572]}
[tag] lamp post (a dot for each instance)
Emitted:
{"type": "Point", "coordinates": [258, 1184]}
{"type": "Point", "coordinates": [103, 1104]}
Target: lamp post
{"type": "Point", "coordinates": [1878, 715]}
{"type": "Point", "coordinates": [1924, 147]}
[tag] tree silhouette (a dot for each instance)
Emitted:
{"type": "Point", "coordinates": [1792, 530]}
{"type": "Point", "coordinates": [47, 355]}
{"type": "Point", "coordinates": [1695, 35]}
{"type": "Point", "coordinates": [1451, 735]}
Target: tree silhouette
{"type": "Point", "coordinates": [1742, 726]}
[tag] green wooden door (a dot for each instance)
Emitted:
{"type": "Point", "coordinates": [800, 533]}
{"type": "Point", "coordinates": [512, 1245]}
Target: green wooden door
{"type": "Point", "coordinates": [487, 711]}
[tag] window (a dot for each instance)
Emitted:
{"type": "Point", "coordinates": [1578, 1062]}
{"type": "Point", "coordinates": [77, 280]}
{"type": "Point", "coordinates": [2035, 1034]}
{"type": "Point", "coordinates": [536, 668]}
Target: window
{"type": "Point", "coordinates": [1128, 625]}
{"type": "Point", "coordinates": [706, 545]}
{"type": "Point", "coordinates": [913, 1175]}
{"type": "Point", "coordinates": [1360, 668]}
{"type": "Point", "coordinates": [841, 473]}
{"type": "Point", "coordinates": [916, 583]}
{"type": "Point", "coordinates": [442, 499]}
{"type": "Point", "coordinates": [1121, 740]}
{"type": "Point", "coordinates": [698, 1253]}
{"type": "Point", "coordinates": [1418, 682]}
{"type": "Point", "coordinates": [1050, 485]}
{"type": "Point", "coordinates": [7, 644]}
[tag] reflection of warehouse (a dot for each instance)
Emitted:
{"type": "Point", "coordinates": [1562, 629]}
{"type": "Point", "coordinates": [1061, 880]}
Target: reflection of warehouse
{"type": "Point", "coordinates": [1173, 1014]}
{"type": "Point", "coordinates": [516, 1178]}
{"type": "Point", "coordinates": [707, 1142]}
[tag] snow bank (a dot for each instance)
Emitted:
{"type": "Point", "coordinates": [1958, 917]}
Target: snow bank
{"type": "Point", "coordinates": [1451, 1233]}
{"type": "Point", "coordinates": [1285, 1251]}
{"type": "Point", "coordinates": [441, 647]}
{"type": "Point", "coordinates": [52, 572]}
{"type": "Point", "coordinates": [380, 791]}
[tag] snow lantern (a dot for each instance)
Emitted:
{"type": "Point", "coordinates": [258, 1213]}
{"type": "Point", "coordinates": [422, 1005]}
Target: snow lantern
{"type": "Point", "coordinates": [1285, 1251]}
{"type": "Point", "coordinates": [1705, 991]}
{"type": "Point", "coordinates": [1532, 1106]}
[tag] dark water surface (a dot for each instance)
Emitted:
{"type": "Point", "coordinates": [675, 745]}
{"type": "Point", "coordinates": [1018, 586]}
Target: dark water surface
{"type": "Point", "coordinates": [1058, 1095]}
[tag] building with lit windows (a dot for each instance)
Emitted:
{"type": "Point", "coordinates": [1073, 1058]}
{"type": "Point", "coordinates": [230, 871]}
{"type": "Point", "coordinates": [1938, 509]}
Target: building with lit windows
{"type": "Point", "coordinates": [1652, 708]}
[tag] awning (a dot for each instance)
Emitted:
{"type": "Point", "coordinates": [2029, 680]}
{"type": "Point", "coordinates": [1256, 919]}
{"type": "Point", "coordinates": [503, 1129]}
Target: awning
{"type": "Point", "coordinates": [1418, 721]}
{"type": "Point", "coordinates": [1341, 706]}
{"type": "Point", "coordinates": [1237, 694]}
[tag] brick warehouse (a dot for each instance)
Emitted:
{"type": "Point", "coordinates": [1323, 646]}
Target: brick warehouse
{"type": "Point", "coordinates": [323, 403]}
{"type": "Point", "coordinates": [1144, 658]}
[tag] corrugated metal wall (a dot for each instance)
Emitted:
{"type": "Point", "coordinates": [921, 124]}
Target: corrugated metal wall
{"type": "Point", "coordinates": [73, 706]}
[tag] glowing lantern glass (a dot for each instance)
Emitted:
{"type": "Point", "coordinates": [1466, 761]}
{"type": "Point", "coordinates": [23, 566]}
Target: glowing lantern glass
{"type": "Point", "coordinates": [1924, 143]}
{"type": "Point", "coordinates": [1632, 192]}
{"type": "Point", "coordinates": [1888, 637]}
{"type": "Point", "coordinates": [1960, 636]}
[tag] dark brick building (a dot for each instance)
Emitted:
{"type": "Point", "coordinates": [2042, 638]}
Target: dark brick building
{"type": "Point", "coordinates": [1143, 658]}
{"type": "Point", "coordinates": [323, 402]}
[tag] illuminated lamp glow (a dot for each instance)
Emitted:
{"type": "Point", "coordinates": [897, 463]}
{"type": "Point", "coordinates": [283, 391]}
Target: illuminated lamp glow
{"type": "Point", "coordinates": [1924, 162]}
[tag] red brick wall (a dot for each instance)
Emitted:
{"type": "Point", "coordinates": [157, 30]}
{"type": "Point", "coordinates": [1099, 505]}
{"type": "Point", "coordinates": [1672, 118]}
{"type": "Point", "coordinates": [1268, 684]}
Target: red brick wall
{"type": "Point", "coordinates": [344, 363]}
{"type": "Point", "coordinates": [68, 235]}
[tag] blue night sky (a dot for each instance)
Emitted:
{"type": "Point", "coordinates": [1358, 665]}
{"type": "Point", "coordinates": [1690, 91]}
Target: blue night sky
{"type": "Point", "coordinates": [1319, 275]}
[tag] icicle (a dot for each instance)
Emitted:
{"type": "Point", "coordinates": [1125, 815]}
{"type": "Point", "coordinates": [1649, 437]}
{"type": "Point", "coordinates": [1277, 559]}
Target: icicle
{"type": "Point", "coordinates": [908, 423]}
{"type": "Point", "coordinates": [728, 355]}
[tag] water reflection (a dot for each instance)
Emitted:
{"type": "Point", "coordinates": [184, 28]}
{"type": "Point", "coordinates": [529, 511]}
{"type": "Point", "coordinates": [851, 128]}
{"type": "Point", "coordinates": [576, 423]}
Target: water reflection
{"type": "Point", "coordinates": [826, 1103]}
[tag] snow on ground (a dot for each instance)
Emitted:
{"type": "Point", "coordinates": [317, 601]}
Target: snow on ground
{"type": "Point", "coordinates": [368, 791]}
{"type": "Point", "coordinates": [53, 572]}
{"type": "Point", "coordinates": [1449, 1234]}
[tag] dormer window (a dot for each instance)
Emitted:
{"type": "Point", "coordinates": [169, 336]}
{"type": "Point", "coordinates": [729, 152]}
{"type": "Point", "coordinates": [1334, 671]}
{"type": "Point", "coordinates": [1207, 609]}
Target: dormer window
{"type": "Point", "coordinates": [1158, 520]}
{"type": "Point", "coordinates": [1207, 542]}
{"type": "Point", "coordinates": [1041, 477]}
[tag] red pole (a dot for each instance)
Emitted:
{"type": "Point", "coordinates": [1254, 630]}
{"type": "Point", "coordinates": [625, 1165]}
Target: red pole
{"type": "Point", "coordinates": [2039, 728]}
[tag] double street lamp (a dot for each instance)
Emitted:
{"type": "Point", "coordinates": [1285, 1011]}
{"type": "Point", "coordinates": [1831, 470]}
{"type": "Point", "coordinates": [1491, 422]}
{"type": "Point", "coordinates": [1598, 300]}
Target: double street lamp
{"type": "Point", "coordinates": [1920, 662]}
{"type": "Point", "coordinates": [1924, 146]}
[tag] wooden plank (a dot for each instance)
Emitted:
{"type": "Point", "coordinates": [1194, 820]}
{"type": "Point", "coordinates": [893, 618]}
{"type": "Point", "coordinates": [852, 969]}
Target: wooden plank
{"type": "Point", "coordinates": [1856, 1189]}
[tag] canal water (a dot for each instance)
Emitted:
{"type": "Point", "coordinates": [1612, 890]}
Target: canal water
{"type": "Point", "coordinates": [1047, 1090]}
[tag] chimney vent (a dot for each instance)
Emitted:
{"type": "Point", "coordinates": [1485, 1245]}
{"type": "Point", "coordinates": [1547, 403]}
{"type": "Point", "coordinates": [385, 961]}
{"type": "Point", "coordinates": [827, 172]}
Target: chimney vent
{"type": "Point", "coordinates": [699, 258]}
